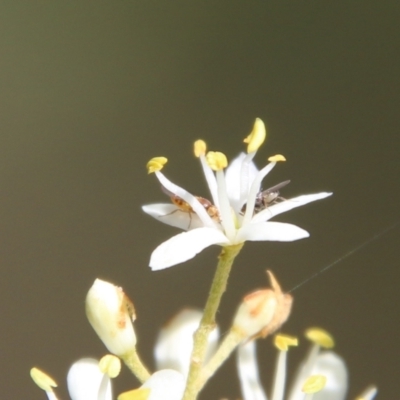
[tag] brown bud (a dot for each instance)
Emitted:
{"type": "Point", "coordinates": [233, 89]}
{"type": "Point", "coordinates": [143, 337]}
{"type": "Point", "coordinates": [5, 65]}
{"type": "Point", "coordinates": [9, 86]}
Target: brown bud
{"type": "Point", "coordinates": [262, 312]}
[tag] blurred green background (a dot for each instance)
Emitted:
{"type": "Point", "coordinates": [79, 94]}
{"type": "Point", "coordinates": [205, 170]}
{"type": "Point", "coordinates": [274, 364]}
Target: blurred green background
{"type": "Point", "coordinates": [91, 90]}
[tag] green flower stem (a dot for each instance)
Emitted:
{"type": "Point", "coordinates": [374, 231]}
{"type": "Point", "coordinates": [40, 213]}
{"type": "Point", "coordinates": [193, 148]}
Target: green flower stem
{"type": "Point", "coordinates": [230, 342]}
{"type": "Point", "coordinates": [136, 366]}
{"type": "Point", "coordinates": [207, 323]}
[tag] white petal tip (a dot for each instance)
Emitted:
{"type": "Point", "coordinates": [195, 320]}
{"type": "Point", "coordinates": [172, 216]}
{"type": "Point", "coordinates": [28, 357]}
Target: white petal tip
{"type": "Point", "coordinates": [184, 246]}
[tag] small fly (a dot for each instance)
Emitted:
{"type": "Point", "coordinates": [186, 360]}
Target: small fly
{"type": "Point", "coordinates": [267, 197]}
{"type": "Point", "coordinates": [184, 206]}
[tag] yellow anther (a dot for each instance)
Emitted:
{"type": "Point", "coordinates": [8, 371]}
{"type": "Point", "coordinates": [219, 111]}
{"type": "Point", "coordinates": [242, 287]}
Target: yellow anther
{"type": "Point", "coordinates": [110, 365]}
{"type": "Point", "coordinates": [199, 148]}
{"type": "Point", "coordinates": [256, 137]}
{"type": "Point", "coordinates": [320, 337]}
{"type": "Point", "coordinates": [42, 380]}
{"type": "Point", "coordinates": [277, 158]}
{"type": "Point", "coordinates": [156, 164]}
{"type": "Point", "coordinates": [216, 160]}
{"type": "Point", "coordinates": [137, 394]}
{"type": "Point", "coordinates": [282, 342]}
{"type": "Point", "coordinates": [314, 384]}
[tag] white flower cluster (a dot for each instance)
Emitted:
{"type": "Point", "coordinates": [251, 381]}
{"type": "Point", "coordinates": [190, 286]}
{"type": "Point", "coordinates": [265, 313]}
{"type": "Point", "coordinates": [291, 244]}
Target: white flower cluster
{"type": "Point", "coordinates": [189, 350]}
{"type": "Point", "coordinates": [322, 374]}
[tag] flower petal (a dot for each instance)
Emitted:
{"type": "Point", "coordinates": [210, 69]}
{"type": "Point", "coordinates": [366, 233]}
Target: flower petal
{"type": "Point", "coordinates": [171, 215]}
{"type": "Point", "coordinates": [254, 189]}
{"type": "Point", "coordinates": [211, 180]}
{"type": "Point", "coordinates": [166, 384]}
{"type": "Point", "coordinates": [85, 381]}
{"type": "Point", "coordinates": [246, 364]}
{"type": "Point", "coordinates": [287, 205]}
{"type": "Point", "coordinates": [185, 246]}
{"type": "Point", "coordinates": [51, 396]}
{"type": "Point", "coordinates": [274, 231]}
{"type": "Point", "coordinates": [330, 365]}
{"type": "Point", "coordinates": [234, 179]}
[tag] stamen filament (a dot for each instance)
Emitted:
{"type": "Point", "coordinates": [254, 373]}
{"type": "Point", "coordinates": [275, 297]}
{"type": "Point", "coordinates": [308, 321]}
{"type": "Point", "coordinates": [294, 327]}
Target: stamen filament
{"type": "Point", "coordinates": [278, 389]}
{"type": "Point", "coordinates": [103, 388]}
{"type": "Point", "coordinates": [311, 359]}
{"type": "Point", "coordinates": [225, 207]}
{"type": "Point", "coordinates": [211, 180]}
{"type": "Point", "coordinates": [368, 394]}
{"type": "Point", "coordinates": [248, 372]}
{"type": "Point", "coordinates": [189, 198]}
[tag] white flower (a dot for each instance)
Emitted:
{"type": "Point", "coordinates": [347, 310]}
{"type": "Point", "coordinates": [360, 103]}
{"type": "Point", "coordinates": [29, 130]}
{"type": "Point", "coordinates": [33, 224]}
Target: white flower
{"type": "Point", "coordinates": [234, 194]}
{"type": "Point", "coordinates": [325, 369]}
{"type": "Point", "coordinates": [87, 379]}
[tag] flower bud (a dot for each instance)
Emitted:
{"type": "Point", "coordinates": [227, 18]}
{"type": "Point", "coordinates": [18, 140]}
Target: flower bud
{"type": "Point", "coordinates": [263, 311]}
{"type": "Point", "coordinates": [111, 315]}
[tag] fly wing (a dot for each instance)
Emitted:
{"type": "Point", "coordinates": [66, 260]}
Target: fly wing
{"type": "Point", "coordinates": [277, 187]}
